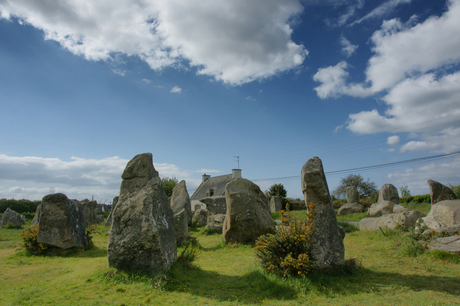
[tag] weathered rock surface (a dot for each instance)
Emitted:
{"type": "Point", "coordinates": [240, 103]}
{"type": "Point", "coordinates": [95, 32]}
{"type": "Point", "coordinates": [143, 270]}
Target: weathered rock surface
{"type": "Point", "coordinates": [380, 208]}
{"type": "Point", "coordinates": [89, 211]}
{"type": "Point", "coordinates": [215, 205]}
{"type": "Point", "coordinates": [392, 221]}
{"type": "Point", "coordinates": [200, 217]}
{"type": "Point", "coordinates": [36, 218]}
{"type": "Point", "coordinates": [181, 226]}
{"type": "Point", "coordinates": [328, 249]}
{"type": "Point", "coordinates": [389, 192]}
{"type": "Point", "coordinates": [443, 214]}
{"type": "Point", "coordinates": [439, 192]}
{"type": "Point", "coordinates": [350, 208]}
{"type": "Point", "coordinates": [99, 218]}
{"type": "Point", "coordinates": [399, 208]}
{"type": "Point", "coordinates": [448, 244]}
{"type": "Point", "coordinates": [181, 200]}
{"type": "Point", "coordinates": [12, 217]}
{"type": "Point", "coordinates": [108, 222]}
{"type": "Point", "coordinates": [248, 214]}
{"type": "Point", "coordinates": [352, 195]}
{"type": "Point", "coordinates": [61, 222]}
{"type": "Point", "coordinates": [276, 204]}
{"type": "Point", "coordinates": [216, 222]}
{"type": "Point", "coordinates": [142, 234]}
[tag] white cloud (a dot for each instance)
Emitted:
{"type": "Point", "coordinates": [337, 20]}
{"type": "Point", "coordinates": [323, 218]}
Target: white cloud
{"type": "Point", "coordinates": [235, 41]}
{"type": "Point", "coordinates": [416, 68]}
{"type": "Point", "coordinates": [382, 10]}
{"type": "Point", "coordinates": [176, 89]}
{"type": "Point", "coordinates": [347, 47]}
{"type": "Point", "coordinates": [443, 171]}
{"type": "Point", "coordinates": [400, 52]}
{"type": "Point", "coordinates": [33, 177]}
{"type": "Point", "coordinates": [392, 140]}
{"type": "Point", "coordinates": [146, 81]}
{"type": "Point", "coordinates": [333, 79]}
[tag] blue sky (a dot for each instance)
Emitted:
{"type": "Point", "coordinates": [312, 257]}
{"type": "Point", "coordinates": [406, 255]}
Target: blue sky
{"type": "Point", "coordinates": [85, 86]}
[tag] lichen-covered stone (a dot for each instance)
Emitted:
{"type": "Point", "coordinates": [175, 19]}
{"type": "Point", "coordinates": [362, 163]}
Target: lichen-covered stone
{"type": "Point", "coordinates": [12, 217]}
{"type": "Point", "coordinates": [328, 249]}
{"type": "Point", "coordinates": [215, 205]}
{"type": "Point", "coordinates": [108, 222]}
{"type": "Point", "coordinates": [405, 219]}
{"type": "Point", "coordinates": [350, 208]}
{"type": "Point", "coordinates": [389, 192]}
{"type": "Point", "coordinates": [89, 211]}
{"type": "Point", "coordinates": [180, 199]}
{"type": "Point", "coordinates": [440, 192]}
{"type": "Point", "coordinates": [200, 217]}
{"type": "Point", "coordinates": [181, 226]}
{"type": "Point", "coordinates": [443, 214]}
{"type": "Point", "coordinates": [380, 208]}
{"type": "Point", "coordinates": [276, 203]}
{"type": "Point", "coordinates": [142, 235]}
{"type": "Point", "coordinates": [352, 195]}
{"type": "Point", "coordinates": [248, 214]}
{"type": "Point", "coordinates": [61, 222]}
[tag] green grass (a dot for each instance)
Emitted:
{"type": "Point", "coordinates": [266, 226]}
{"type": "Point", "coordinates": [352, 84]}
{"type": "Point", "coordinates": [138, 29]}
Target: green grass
{"type": "Point", "coordinates": [227, 275]}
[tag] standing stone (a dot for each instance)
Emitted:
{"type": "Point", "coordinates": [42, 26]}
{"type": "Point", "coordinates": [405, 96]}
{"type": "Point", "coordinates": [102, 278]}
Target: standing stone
{"type": "Point", "coordinates": [389, 192]}
{"type": "Point", "coordinates": [200, 217]}
{"type": "Point", "coordinates": [350, 208]}
{"type": "Point", "coordinates": [380, 208]}
{"type": "Point", "coordinates": [394, 220]}
{"type": "Point", "coordinates": [61, 222]}
{"type": "Point", "coordinates": [328, 249]}
{"type": "Point", "coordinates": [181, 226]}
{"type": "Point", "coordinates": [248, 214]}
{"type": "Point", "coordinates": [215, 205]}
{"type": "Point", "coordinates": [108, 222]}
{"type": "Point", "coordinates": [276, 204]}
{"type": "Point", "coordinates": [89, 211]}
{"type": "Point", "coordinates": [36, 218]}
{"type": "Point", "coordinates": [12, 217]}
{"type": "Point", "coordinates": [181, 200]}
{"type": "Point", "coordinates": [142, 235]}
{"type": "Point", "coordinates": [443, 214]}
{"type": "Point", "coordinates": [352, 195]}
{"type": "Point", "coordinates": [439, 192]}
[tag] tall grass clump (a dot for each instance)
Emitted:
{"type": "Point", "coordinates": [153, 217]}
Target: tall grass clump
{"type": "Point", "coordinates": [287, 252]}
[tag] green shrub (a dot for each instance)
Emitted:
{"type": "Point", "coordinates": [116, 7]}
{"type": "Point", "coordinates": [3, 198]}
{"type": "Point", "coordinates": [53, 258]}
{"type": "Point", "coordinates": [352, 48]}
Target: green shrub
{"type": "Point", "coordinates": [456, 190]}
{"type": "Point", "coordinates": [190, 253]}
{"type": "Point", "coordinates": [29, 237]}
{"type": "Point", "coordinates": [443, 255]}
{"type": "Point", "coordinates": [287, 252]}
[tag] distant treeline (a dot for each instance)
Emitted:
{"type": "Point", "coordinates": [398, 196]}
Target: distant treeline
{"type": "Point", "coordinates": [20, 206]}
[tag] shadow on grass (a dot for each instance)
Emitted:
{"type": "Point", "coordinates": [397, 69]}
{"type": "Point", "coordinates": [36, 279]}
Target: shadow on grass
{"type": "Point", "coordinates": [93, 253]}
{"type": "Point", "coordinates": [249, 288]}
{"type": "Point", "coordinates": [366, 281]}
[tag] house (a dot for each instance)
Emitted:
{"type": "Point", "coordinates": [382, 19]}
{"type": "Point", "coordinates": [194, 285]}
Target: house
{"type": "Point", "coordinates": [212, 187]}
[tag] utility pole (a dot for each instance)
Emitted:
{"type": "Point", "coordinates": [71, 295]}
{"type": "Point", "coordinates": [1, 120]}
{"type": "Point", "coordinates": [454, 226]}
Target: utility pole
{"type": "Point", "coordinates": [238, 159]}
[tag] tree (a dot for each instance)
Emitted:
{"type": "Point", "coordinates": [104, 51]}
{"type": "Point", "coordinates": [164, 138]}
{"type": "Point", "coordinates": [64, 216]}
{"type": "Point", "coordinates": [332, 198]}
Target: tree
{"type": "Point", "coordinates": [365, 188]}
{"type": "Point", "coordinates": [277, 190]}
{"type": "Point", "coordinates": [405, 192]}
{"type": "Point", "coordinates": [168, 184]}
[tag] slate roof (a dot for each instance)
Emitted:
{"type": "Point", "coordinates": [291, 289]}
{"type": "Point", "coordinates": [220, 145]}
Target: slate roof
{"type": "Point", "coordinates": [217, 183]}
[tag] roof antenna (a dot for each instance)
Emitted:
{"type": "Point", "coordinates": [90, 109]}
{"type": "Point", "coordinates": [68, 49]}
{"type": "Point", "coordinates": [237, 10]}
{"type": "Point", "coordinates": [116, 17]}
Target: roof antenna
{"type": "Point", "coordinates": [238, 159]}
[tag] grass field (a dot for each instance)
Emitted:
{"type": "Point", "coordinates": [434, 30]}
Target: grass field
{"type": "Point", "coordinates": [227, 275]}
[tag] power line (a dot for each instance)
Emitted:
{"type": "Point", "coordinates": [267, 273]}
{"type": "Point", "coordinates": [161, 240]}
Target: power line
{"type": "Point", "coordinates": [373, 167]}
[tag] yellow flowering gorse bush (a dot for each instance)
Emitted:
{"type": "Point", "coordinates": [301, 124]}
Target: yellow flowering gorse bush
{"type": "Point", "coordinates": [287, 252]}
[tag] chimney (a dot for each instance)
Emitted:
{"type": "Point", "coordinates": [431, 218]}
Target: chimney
{"type": "Point", "coordinates": [236, 173]}
{"type": "Point", "coordinates": [205, 177]}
